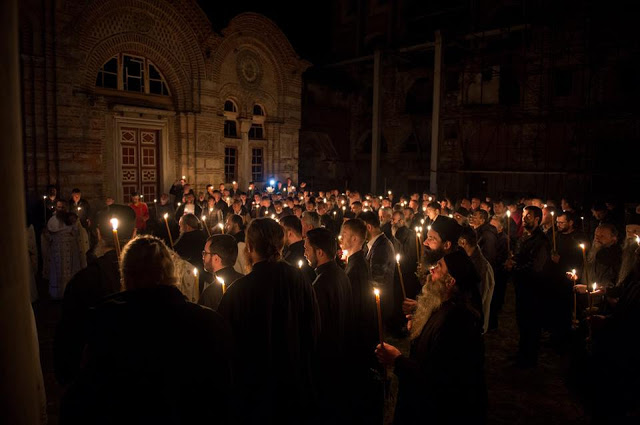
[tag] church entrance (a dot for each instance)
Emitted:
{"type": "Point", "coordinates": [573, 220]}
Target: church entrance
{"type": "Point", "coordinates": [139, 162]}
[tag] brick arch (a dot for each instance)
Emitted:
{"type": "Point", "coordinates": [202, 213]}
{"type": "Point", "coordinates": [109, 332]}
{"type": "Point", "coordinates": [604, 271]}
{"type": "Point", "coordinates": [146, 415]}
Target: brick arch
{"type": "Point", "coordinates": [245, 99]}
{"type": "Point", "coordinates": [177, 78]}
{"type": "Point", "coordinates": [177, 28]}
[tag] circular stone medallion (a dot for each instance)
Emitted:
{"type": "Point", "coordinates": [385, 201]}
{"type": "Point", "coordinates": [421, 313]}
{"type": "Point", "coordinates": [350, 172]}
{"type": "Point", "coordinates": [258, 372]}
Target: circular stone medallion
{"type": "Point", "coordinates": [248, 68]}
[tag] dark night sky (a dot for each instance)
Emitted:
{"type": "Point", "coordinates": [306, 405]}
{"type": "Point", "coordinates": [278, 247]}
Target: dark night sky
{"type": "Point", "coordinates": [305, 23]}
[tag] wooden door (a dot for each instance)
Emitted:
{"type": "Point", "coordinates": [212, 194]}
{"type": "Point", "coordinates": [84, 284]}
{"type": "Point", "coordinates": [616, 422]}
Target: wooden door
{"type": "Point", "coordinates": [139, 162]}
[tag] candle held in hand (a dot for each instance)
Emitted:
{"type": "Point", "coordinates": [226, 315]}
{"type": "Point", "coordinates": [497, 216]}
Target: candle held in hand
{"type": "Point", "coordinates": [166, 222]}
{"type": "Point", "coordinates": [116, 241]}
{"type": "Point", "coordinates": [376, 292]}
{"type": "Point", "coordinates": [404, 292]}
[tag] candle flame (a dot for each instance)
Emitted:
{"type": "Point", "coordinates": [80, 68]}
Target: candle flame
{"type": "Point", "coordinates": [450, 215]}
{"type": "Point", "coordinates": [595, 285]}
{"type": "Point", "coordinates": [155, 200]}
{"type": "Point", "coordinates": [220, 280]}
{"type": "Point", "coordinates": [508, 213]}
{"type": "Point", "coordinates": [44, 197]}
{"type": "Point", "coordinates": [397, 258]}
{"type": "Point", "coordinates": [166, 216]}
{"type": "Point", "coordinates": [195, 271]}
{"type": "Point", "coordinates": [552, 213]}
{"type": "Point", "coordinates": [300, 263]}
{"type": "Point", "coordinates": [581, 246]}
{"type": "Point", "coordinates": [422, 221]}
{"type": "Point", "coordinates": [573, 271]}
{"type": "Point", "coordinates": [220, 225]}
{"type": "Point", "coordinates": [179, 203]}
{"type": "Point", "coordinates": [417, 229]}
{"type": "Point", "coordinates": [114, 223]}
{"type": "Point", "coordinates": [638, 239]}
{"type": "Point", "coordinates": [389, 192]}
{"type": "Point", "coordinates": [428, 228]}
{"type": "Point", "coordinates": [430, 198]}
{"type": "Point", "coordinates": [376, 292]}
{"type": "Point", "coordinates": [204, 217]}
{"type": "Point", "coordinates": [234, 183]}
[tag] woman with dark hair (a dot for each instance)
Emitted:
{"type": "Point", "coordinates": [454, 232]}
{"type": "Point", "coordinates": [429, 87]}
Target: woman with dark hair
{"type": "Point", "coordinates": [152, 356]}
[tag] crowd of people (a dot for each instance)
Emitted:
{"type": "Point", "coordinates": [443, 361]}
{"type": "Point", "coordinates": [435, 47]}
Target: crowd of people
{"type": "Point", "coordinates": [225, 306]}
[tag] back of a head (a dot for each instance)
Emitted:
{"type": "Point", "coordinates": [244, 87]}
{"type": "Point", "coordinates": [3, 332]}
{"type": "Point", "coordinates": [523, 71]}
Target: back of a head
{"type": "Point", "coordinates": [266, 238]}
{"type": "Point", "coordinates": [191, 220]}
{"type": "Point", "coordinates": [311, 218]}
{"type": "Point", "coordinates": [146, 262]}
{"type": "Point", "coordinates": [126, 223]}
{"type": "Point", "coordinates": [323, 239]}
{"type": "Point", "coordinates": [370, 218]}
{"type": "Point", "coordinates": [226, 247]}
{"type": "Point", "coordinates": [356, 226]}
{"type": "Point", "coordinates": [237, 220]}
{"type": "Point", "coordinates": [293, 223]}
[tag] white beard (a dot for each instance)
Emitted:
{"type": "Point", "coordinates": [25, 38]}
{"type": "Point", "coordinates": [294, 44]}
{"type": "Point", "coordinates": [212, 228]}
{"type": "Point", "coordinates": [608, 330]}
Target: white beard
{"type": "Point", "coordinates": [430, 299]}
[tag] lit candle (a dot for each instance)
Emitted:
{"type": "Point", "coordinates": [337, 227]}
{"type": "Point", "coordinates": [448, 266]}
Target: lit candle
{"type": "Point", "coordinates": [584, 262]}
{"type": "Point", "coordinates": [553, 229]}
{"type": "Point", "coordinates": [575, 301]}
{"type": "Point", "coordinates": [430, 198]}
{"type": "Point", "coordinates": [204, 223]}
{"type": "Point", "coordinates": [166, 222]}
{"type": "Point", "coordinates": [184, 177]}
{"type": "Point", "coordinates": [221, 226]}
{"type": "Point", "coordinates": [196, 285]}
{"type": "Point", "coordinates": [44, 207]}
{"type": "Point", "coordinates": [582, 219]}
{"type": "Point", "coordinates": [422, 221]}
{"type": "Point", "coordinates": [221, 282]}
{"type": "Point", "coordinates": [638, 239]}
{"type": "Point", "coordinates": [345, 255]}
{"type": "Point", "coordinates": [377, 294]}
{"type": "Point", "coordinates": [508, 232]}
{"type": "Point", "coordinates": [404, 292]}
{"type": "Point", "coordinates": [116, 241]}
{"type": "Point", "coordinates": [450, 215]}
{"type": "Point", "coordinates": [334, 214]}
{"type": "Point", "coordinates": [300, 263]}
{"type": "Point", "coordinates": [179, 203]}
{"type": "Point", "coordinates": [344, 209]}
{"type": "Point", "coordinates": [418, 243]}
{"type": "Point", "coordinates": [233, 183]}
{"type": "Point", "coordinates": [389, 193]}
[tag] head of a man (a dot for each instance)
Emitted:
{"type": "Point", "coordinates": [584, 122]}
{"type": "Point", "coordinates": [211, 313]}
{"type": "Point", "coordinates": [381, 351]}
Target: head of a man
{"type": "Point", "coordinates": [498, 223]}
{"type": "Point", "coordinates": [372, 222]}
{"type": "Point", "coordinates": [384, 215]}
{"type": "Point", "coordinates": [599, 211]}
{"type": "Point", "coordinates": [220, 251]}
{"type": "Point", "coordinates": [441, 239]}
{"type": "Point", "coordinates": [319, 247]}
{"type": "Point", "coordinates": [135, 198]}
{"type": "Point", "coordinates": [292, 227]}
{"type": "Point", "coordinates": [468, 240]}
{"type": "Point", "coordinates": [565, 222]}
{"type": "Point", "coordinates": [146, 262]}
{"type": "Point", "coordinates": [233, 224]}
{"type": "Point", "coordinates": [190, 198]}
{"type": "Point", "coordinates": [264, 240]}
{"type": "Point", "coordinates": [188, 223]}
{"type": "Point", "coordinates": [465, 203]}
{"type": "Point", "coordinates": [356, 207]}
{"type": "Point", "coordinates": [499, 207]}
{"type": "Point", "coordinates": [461, 216]}
{"type": "Point", "coordinates": [321, 208]}
{"type": "Point", "coordinates": [76, 195]}
{"type": "Point", "coordinates": [397, 220]}
{"type": "Point", "coordinates": [353, 234]}
{"type": "Point", "coordinates": [433, 210]}
{"type": "Point", "coordinates": [310, 220]}
{"type": "Point", "coordinates": [606, 235]}
{"type": "Point", "coordinates": [52, 192]}
{"type": "Point", "coordinates": [547, 217]}
{"type": "Point", "coordinates": [478, 218]}
{"type": "Point", "coordinates": [531, 217]}
{"type": "Point", "coordinates": [475, 203]}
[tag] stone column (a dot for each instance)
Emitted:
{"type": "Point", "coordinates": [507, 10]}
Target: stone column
{"type": "Point", "coordinates": [376, 129]}
{"type": "Point", "coordinates": [245, 154]}
{"type": "Point", "coordinates": [22, 399]}
{"type": "Point", "coordinates": [435, 115]}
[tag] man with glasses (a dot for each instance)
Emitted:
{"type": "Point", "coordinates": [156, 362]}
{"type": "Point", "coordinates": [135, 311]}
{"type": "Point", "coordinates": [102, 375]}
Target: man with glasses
{"type": "Point", "coordinates": [219, 256]}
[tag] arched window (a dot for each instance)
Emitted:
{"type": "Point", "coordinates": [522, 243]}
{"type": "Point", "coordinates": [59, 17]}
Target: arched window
{"type": "Point", "coordinates": [132, 73]}
{"type": "Point", "coordinates": [230, 118]}
{"type": "Point", "coordinates": [230, 106]}
{"type": "Point", "coordinates": [256, 132]}
{"type": "Point", "coordinates": [257, 110]}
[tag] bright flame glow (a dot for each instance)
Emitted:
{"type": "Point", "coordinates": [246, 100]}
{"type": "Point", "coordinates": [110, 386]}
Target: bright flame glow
{"type": "Point", "coordinates": [429, 228]}
{"type": "Point", "coordinates": [233, 182]}
{"type": "Point", "coordinates": [508, 213]}
{"type": "Point", "coordinates": [166, 216]}
{"type": "Point", "coordinates": [220, 225]}
{"type": "Point", "coordinates": [204, 218]}
{"type": "Point", "coordinates": [581, 246]}
{"type": "Point", "coordinates": [300, 263]}
{"type": "Point", "coordinates": [220, 280]}
{"type": "Point", "coordinates": [638, 240]}
{"type": "Point", "coordinates": [573, 271]}
{"type": "Point", "coordinates": [44, 197]}
{"type": "Point", "coordinates": [552, 213]}
{"type": "Point", "coordinates": [195, 272]}
{"type": "Point", "coordinates": [389, 192]}
{"type": "Point", "coordinates": [595, 285]}
{"type": "Point", "coordinates": [376, 292]}
{"type": "Point", "coordinates": [397, 258]}
{"type": "Point", "coordinates": [114, 223]}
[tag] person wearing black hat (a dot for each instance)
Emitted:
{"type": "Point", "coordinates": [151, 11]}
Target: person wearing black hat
{"type": "Point", "coordinates": [88, 287]}
{"type": "Point", "coordinates": [443, 379]}
{"type": "Point", "coordinates": [528, 266]}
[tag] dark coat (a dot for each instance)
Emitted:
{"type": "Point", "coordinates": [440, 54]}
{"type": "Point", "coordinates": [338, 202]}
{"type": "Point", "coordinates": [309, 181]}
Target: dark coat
{"type": "Point", "coordinates": [531, 258]}
{"type": "Point", "coordinates": [606, 266]}
{"type": "Point", "coordinates": [364, 309]}
{"type": "Point", "coordinates": [275, 321]}
{"type": "Point", "coordinates": [488, 242]}
{"type": "Point", "coordinates": [293, 255]}
{"type": "Point", "coordinates": [382, 265]}
{"type": "Point", "coordinates": [82, 209]}
{"type": "Point", "coordinates": [443, 380]}
{"type": "Point", "coordinates": [333, 362]}
{"type": "Point", "coordinates": [153, 358]}
{"type": "Point", "coordinates": [212, 294]}
{"type": "Point", "coordinates": [409, 262]}
{"type": "Point", "coordinates": [85, 290]}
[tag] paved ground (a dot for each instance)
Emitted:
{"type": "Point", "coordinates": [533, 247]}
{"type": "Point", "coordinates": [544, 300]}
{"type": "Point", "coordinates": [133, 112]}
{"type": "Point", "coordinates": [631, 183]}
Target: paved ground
{"type": "Point", "coordinates": [516, 397]}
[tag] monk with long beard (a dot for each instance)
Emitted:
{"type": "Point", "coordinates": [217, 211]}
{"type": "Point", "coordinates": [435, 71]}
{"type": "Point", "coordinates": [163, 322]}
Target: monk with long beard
{"type": "Point", "coordinates": [442, 381]}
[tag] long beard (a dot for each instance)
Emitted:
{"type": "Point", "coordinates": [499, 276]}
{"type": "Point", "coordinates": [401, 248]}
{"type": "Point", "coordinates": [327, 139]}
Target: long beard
{"type": "Point", "coordinates": [591, 255]}
{"type": "Point", "coordinates": [430, 299]}
{"type": "Point", "coordinates": [629, 259]}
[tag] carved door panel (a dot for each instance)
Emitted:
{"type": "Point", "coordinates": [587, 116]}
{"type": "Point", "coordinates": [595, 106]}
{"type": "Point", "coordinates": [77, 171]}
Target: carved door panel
{"type": "Point", "coordinates": [139, 162]}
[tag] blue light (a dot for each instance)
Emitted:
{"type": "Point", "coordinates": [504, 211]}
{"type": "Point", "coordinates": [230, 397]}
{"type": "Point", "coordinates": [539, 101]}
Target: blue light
{"type": "Point", "coordinates": [272, 182]}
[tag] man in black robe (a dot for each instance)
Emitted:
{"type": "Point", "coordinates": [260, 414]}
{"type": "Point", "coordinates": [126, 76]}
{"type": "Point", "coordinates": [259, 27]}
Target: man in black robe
{"type": "Point", "coordinates": [219, 256]}
{"type": "Point", "coordinates": [152, 356]}
{"type": "Point", "coordinates": [529, 266]}
{"type": "Point", "coordinates": [407, 247]}
{"type": "Point", "coordinates": [275, 321]}
{"type": "Point", "coordinates": [442, 382]}
{"type": "Point", "coordinates": [367, 407]}
{"type": "Point", "coordinates": [87, 288]}
{"type": "Point", "coordinates": [333, 362]}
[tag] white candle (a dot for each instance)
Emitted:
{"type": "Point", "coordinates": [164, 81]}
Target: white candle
{"type": "Point", "coordinates": [221, 282]}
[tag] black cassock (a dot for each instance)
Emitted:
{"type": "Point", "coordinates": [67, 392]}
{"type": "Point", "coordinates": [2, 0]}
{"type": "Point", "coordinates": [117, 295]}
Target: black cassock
{"type": "Point", "coordinates": [152, 358]}
{"type": "Point", "coordinates": [275, 322]}
{"type": "Point", "coordinates": [85, 290]}
{"type": "Point", "coordinates": [443, 380]}
{"type": "Point", "coordinates": [294, 254]}
{"type": "Point", "coordinates": [332, 367]}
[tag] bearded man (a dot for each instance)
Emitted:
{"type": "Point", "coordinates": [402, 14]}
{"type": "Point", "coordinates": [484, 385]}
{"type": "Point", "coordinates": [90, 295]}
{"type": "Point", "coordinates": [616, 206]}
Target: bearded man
{"type": "Point", "coordinates": [443, 379]}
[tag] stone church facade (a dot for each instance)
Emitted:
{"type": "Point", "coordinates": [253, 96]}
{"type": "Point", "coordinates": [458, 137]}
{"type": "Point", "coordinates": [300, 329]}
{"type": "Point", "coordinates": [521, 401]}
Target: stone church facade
{"type": "Point", "coordinates": [130, 95]}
